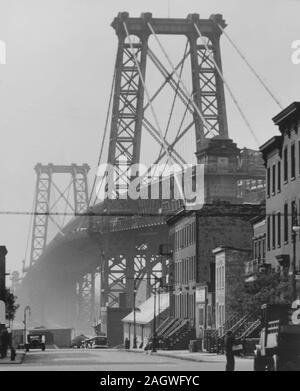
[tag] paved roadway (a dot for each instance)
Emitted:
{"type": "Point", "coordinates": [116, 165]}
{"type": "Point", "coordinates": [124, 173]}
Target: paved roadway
{"type": "Point", "coordinates": [114, 360]}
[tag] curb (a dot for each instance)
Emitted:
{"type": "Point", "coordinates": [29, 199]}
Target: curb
{"type": "Point", "coordinates": [164, 355]}
{"type": "Point", "coordinates": [19, 360]}
{"type": "Point", "coordinates": [186, 358]}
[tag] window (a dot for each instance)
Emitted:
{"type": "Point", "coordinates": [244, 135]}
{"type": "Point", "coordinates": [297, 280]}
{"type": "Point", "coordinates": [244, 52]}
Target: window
{"type": "Point", "coordinates": [268, 233]}
{"type": "Point", "coordinates": [299, 159]}
{"type": "Point", "coordinates": [273, 179]}
{"type": "Point", "coordinates": [279, 176]}
{"type": "Point", "coordinates": [286, 223]}
{"type": "Point", "coordinates": [278, 229]}
{"type": "Point", "coordinates": [268, 181]}
{"type": "Point", "coordinates": [273, 230]}
{"type": "Point", "coordinates": [223, 277]}
{"type": "Point", "coordinates": [285, 163]}
{"type": "Point", "coordinates": [263, 250]}
{"type": "Point", "coordinates": [293, 213]}
{"type": "Point", "coordinates": [293, 161]}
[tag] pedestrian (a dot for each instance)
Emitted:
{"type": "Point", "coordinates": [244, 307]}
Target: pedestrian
{"type": "Point", "coordinates": [127, 343]}
{"type": "Point", "coordinates": [229, 343]}
{"type": "Point", "coordinates": [4, 343]}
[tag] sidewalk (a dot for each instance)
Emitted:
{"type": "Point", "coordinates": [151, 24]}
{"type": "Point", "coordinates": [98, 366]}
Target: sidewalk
{"type": "Point", "coordinates": [186, 355]}
{"type": "Point", "coordinates": [18, 359]}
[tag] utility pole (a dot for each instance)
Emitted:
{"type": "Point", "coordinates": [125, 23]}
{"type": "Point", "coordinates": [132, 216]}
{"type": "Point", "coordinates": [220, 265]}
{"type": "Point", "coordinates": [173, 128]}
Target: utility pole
{"type": "Point", "coordinates": [3, 253]}
{"type": "Point", "coordinates": [27, 308]}
{"type": "Point", "coordinates": [134, 315]}
{"type": "Point", "coordinates": [154, 319]}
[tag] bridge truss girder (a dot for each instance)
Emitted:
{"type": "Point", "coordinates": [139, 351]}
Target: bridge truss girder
{"type": "Point", "coordinates": [125, 262]}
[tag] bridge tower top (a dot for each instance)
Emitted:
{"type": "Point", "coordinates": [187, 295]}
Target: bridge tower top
{"type": "Point", "coordinates": [203, 98]}
{"type": "Point", "coordinates": [168, 26]}
{"type": "Point", "coordinates": [51, 194]}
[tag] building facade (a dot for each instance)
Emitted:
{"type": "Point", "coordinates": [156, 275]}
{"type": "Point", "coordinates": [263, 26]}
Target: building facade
{"type": "Point", "coordinates": [281, 156]}
{"type": "Point", "coordinates": [257, 262]}
{"type": "Point", "coordinates": [194, 236]}
{"type": "Point", "coordinates": [229, 269]}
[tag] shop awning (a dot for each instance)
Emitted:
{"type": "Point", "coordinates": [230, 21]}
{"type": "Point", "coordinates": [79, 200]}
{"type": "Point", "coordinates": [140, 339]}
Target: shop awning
{"type": "Point", "coordinates": [145, 312]}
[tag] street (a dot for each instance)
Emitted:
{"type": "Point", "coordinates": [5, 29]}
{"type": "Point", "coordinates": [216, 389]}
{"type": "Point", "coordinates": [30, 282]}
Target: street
{"type": "Point", "coordinates": [115, 360]}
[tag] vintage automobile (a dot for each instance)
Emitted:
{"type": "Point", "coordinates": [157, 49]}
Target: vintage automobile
{"type": "Point", "coordinates": [97, 342]}
{"type": "Point", "coordinates": [35, 341]}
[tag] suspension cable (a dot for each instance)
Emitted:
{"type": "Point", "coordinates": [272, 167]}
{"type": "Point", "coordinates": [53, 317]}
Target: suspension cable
{"type": "Point", "coordinates": [153, 111]}
{"type": "Point", "coordinates": [173, 104]}
{"type": "Point", "coordinates": [178, 131]}
{"type": "Point", "coordinates": [103, 139]}
{"type": "Point", "coordinates": [211, 56]}
{"type": "Point", "coordinates": [205, 123]}
{"type": "Point", "coordinates": [30, 227]}
{"type": "Point", "coordinates": [251, 67]}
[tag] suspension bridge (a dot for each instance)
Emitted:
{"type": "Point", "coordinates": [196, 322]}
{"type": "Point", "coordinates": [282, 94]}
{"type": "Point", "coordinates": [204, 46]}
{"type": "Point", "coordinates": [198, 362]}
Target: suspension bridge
{"type": "Point", "coordinates": [166, 106]}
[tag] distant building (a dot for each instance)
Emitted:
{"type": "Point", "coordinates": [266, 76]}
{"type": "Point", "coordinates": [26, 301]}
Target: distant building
{"type": "Point", "coordinates": [281, 156]}
{"type": "Point", "coordinates": [111, 324]}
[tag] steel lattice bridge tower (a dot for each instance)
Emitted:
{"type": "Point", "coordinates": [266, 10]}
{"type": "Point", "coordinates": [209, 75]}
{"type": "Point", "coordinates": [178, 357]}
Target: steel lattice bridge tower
{"type": "Point", "coordinates": [117, 241]}
{"type": "Point", "coordinates": [128, 117]}
{"type": "Point", "coordinates": [129, 120]}
{"type": "Point", "coordinates": [44, 204]}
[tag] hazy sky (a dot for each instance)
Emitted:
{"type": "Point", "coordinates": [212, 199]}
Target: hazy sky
{"type": "Point", "coordinates": [60, 56]}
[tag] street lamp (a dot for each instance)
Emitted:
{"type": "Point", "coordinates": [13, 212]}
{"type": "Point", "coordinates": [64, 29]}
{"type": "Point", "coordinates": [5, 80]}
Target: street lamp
{"type": "Point", "coordinates": [154, 319]}
{"type": "Point", "coordinates": [134, 318]}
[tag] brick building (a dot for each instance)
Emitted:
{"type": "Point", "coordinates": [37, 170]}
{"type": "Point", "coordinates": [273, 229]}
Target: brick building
{"type": "Point", "coordinates": [194, 236]}
{"type": "Point", "coordinates": [229, 268]}
{"type": "Point", "coordinates": [257, 261]}
{"type": "Point", "coordinates": [281, 156]}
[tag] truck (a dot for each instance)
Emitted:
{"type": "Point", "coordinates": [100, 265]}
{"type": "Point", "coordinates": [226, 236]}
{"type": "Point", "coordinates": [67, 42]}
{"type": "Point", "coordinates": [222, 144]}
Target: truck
{"type": "Point", "coordinates": [279, 343]}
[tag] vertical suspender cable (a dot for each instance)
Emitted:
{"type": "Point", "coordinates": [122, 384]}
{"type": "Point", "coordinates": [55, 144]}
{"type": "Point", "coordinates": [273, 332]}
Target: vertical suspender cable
{"type": "Point", "coordinates": [153, 112]}
{"type": "Point", "coordinates": [210, 54]}
{"type": "Point", "coordinates": [251, 67]}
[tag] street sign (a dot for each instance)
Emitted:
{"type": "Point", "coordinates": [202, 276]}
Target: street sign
{"type": "Point", "coordinates": [200, 295]}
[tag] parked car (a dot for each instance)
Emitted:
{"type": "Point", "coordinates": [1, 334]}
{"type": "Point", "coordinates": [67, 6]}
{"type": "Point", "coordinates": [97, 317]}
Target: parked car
{"type": "Point", "coordinates": [35, 341]}
{"type": "Point", "coordinates": [98, 342]}
{"type": "Point", "coordinates": [77, 341]}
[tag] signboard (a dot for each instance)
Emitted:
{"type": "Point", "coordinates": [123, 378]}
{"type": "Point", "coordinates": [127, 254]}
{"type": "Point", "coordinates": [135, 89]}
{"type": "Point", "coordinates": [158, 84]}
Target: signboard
{"type": "Point", "coordinates": [2, 312]}
{"type": "Point", "coordinates": [200, 295]}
